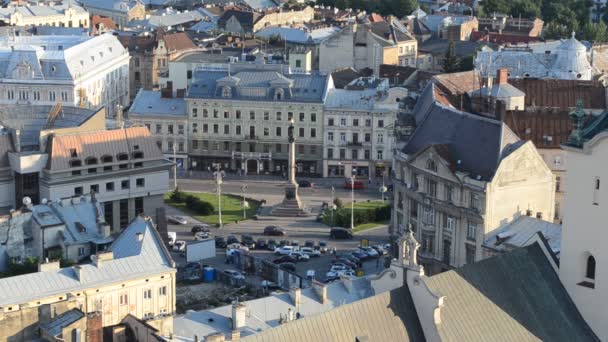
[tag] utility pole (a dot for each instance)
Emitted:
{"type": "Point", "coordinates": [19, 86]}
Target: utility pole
{"type": "Point", "coordinates": [218, 182]}
{"type": "Point", "coordinates": [245, 204]}
{"type": "Point", "coordinates": [352, 201]}
{"type": "Point", "coordinates": [174, 167]}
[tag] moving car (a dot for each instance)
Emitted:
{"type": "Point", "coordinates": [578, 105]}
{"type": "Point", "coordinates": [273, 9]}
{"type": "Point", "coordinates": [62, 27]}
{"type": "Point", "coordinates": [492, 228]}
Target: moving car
{"type": "Point", "coordinates": [179, 246]}
{"type": "Point", "coordinates": [274, 231]}
{"type": "Point", "coordinates": [283, 250]}
{"type": "Point", "coordinates": [220, 242]}
{"type": "Point", "coordinates": [247, 240]}
{"type": "Point", "coordinates": [300, 256]}
{"type": "Point", "coordinates": [177, 219]}
{"type": "Point", "coordinates": [357, 184]}
{"type": "Point", "coordinates": [305, 184]}
{"type": "Point", "coordinates": [200, 228]}
{"type": "Point", "coordinates": [232, 239]}
{"type": "Point", "coordinates": [340, 233]}
{"type": "Point", "coordinates": [310, 252]}
{"type": "Point", "coordinates": [234, 274]}
{"type": "Point", "coordinates": [288, 266]}
{"type": "Point", "coordinates": [285, 258]}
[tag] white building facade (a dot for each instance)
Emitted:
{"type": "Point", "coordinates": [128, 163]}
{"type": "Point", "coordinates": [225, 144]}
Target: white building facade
{"type": "Point", "coordinates": [359, 129]}
{"type": "Point", "coordinates": [86, 72]}
{"type": "Point", "coordinates": [66, 14]}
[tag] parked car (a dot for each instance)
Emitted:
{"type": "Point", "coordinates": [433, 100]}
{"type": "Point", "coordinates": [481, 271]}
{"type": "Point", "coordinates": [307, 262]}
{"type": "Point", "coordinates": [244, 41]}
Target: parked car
{"type": "Point", "coordinates": [361, 255]}
{"type": "Point", "coordinates": [351, 257]}
{"type": "Point", "coordinates": [283, 250]}
{"type": "Point", "coordinates": [200, 228]}
{"type": "Point", "coordinates": [274, 231]}
{"type": "Point", "coordinates": [232, 239]}
{"type": "Point", "coordinates": [269, 285]}
{"type": "Point", "coordinates": [261, 244]}
{"type": "Point", "coordinates": [305, 184]}
{"type": "Point", "coordinates": [331, 277]}
{"type": "Point", "coordinates": [234, 274]}
{"type": "Point", "coordinates": [357, 184]}
{"type": "Point", "coordinates": [323, 246]}
{"type": "Point", "coordinates": [172, 237]}
{"type": "Point", "coordinates": [284, 243]}
{"type": "Point", "coordinates": [247, 240]}
{"type": "Point", "coordinates": [192, 266]}
{"type": "Point", "coordinates": [288, 266]}
{"type": "Point", "coordinates": [220, 242]}
{"type": "Point", "coordinates": [340, 233]}
{"type": "Point", "coordinates": [309, 243]}
{"type": "Point", "coordinates": [295, 243]}
{"type": "Point", "coordinates": [272, 245]}
{"type": "Point", "coordinates": [348, 263]}
{"type": "Point", "coordinates": [310, 252]}
{"type": "Point", "coordinates": [177, 219]}
{"type": "Point", "coordinates": [338, 267]}
{"type": "Point", "coordinates": [370, 251]}
{"type": "Point", "coordinates": [378, 248]}
{"type": "Point", "coordinates": [179, 246]}
{"type": "Point", "coordinates": [201, 236]}
{"type": "Point", "coordinates": [300, 256]}
{"type": "Point", "coordinates": [337, 274]}
{"type": "Point", "coordinates": [285, 258]}
{"type": "Point", "coordinates": [234, 246]}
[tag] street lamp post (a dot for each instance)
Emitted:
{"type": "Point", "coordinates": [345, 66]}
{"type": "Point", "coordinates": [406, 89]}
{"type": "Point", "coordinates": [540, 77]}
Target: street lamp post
{"type": "Point", "coordinates": [245, 203]}
{"type": "Point", "coordinates": [333, 208]}
{"type": "Point", "coordinates": [219, 175]}
{"type": "Point", "coordinates": [352, 201]}
{"type": "Point", "coordinates": [383, 188]}
{"type": "Point", "coordinates": [174, 167]}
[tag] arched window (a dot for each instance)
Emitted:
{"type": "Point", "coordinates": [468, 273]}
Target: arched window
{"type": "Point", "coordinates": [106, 159]}
{"type": "Point", "coordinates": [138, 155]}
{"type": "Point", "coordinates": [75, 163]}
{"type": "Point", "coordinates": [122, 156]}
{"type": "Point", "coordinates": [278, 95]}
{"type": "Point", "coordinates": [91, 161]}
{"type": "Point", "coordinates": [590, 269]}
{"type": "Point", "coordinates": [431, 165]}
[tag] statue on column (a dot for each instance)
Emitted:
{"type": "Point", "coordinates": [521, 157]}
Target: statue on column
{"type": "Point", "coordinates": [409, 249]}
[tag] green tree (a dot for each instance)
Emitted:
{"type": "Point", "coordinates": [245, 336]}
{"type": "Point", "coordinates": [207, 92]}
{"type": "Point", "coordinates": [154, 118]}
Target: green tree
{"type": "Point", "coordinates": [451, 63]}
{"type": "Point", "coordinates": [496, 6]}
{"type": "Point", "coordinates": [525, 9]}
{"type": "Point", "coordinates": [594, 32]}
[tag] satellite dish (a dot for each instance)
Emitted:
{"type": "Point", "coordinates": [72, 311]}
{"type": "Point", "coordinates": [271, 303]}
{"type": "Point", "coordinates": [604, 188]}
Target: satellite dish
{"type": "Point", "coordinates": [27, 201]}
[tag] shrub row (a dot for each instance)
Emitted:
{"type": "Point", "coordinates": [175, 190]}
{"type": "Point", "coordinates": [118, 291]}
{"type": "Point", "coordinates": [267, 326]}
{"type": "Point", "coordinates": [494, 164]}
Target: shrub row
{"type": "Point", "coordinates": [342, 216]}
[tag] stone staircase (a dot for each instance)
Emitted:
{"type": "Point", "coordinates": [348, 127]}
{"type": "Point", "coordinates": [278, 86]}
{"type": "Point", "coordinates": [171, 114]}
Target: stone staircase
{"type": "Point", "coordinates": [290, 208]}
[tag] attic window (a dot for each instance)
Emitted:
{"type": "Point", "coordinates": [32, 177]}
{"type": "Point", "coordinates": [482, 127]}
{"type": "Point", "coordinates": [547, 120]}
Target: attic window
{"type": "Point", "coordinates": [73, 153]}
{"type": "Point", "coordinates": [136, 147]}
{"type": "Point", "coordinates": [106, 159]}
{"type": "Point", "coordinates": [122, 156]}
{"type": "Point", "coordinates": [101, 54]}
{"type": "Point", "coordinates": [138, 155]}
{"type": "Point", "coordinates": [431, 165]}
{"type": "Point", "coordinates": [93, 58]}
{"type": "Point", "coordinates": [91, 161]}
{"type": "Point", "coordinates": [75, 163]}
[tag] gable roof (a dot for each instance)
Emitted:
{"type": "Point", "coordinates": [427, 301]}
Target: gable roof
{"type": "Point", "coordinates": [132, 259]}
{"type": "Point", "coordinates": [389, 316]}
{"type": "Point", "coordinates": [544, 127]}
{"type": "Point", "coordinates": [563, 94]}
{"type": "Point", "coordinates": [521, 231]}
{"type": "Point", "coordinates": [245, 18]}
{"type": "Point", "coordinates": [516, 296]}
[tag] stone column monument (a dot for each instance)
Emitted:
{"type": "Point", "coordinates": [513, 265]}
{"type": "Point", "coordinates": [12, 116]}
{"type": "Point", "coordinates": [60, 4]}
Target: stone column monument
{"type": "Point", "coordinates": [291, 205]}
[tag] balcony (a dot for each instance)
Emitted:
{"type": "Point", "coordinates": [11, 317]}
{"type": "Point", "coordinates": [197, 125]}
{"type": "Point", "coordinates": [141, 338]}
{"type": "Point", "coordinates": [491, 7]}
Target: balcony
{"type": "Point", "coordinates": [251, 137]}
{"type": "Point", "coordinates": [354, 143]}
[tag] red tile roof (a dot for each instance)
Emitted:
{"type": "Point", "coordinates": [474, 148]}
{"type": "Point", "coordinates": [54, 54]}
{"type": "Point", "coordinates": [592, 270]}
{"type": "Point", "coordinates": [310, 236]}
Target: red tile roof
{"type": "Point", "coordinates": [563, 94]}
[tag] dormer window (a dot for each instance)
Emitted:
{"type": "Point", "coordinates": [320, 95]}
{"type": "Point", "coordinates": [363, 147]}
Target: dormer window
{"type": "Point", "coordinates": [75, 163]}
{"type": "Point", "coordinates": [122, 156]}
{"type": "Point", "coordinates": [431, 165]}
{"type": "Point", "coordinates": [138, 155]}
{"type": "Point", "coordinates": [91, 161]}
{"type": "Point", "coordinates": [226, 91]}
{"type": "Point", "coordinates": [106, 159]}
{"type": "Point", "coordinates": [73, 153]}
{"type": "Point", "coordinates": [279, 94]}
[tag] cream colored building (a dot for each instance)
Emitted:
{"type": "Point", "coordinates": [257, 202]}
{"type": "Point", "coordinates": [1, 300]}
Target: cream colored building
{"type": "Point", "coordinates": [135, 276]}
{"type": "Point", "coordinates": [120, 11]}
{"type": "Point", "coordinates": [583, 258]}
{"type": "Point", "coordinates": [455, 184]}
{"type": "Point", "coordinates": [285, 18]}
{"type": "Point", "coordinates": [66, 14]}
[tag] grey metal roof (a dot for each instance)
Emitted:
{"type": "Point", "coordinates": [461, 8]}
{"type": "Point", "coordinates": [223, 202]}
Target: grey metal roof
{"type": "Point", "coordinates": [305, 87]}
{"type": "Point", "coordinates": [80, 213]}
{"type": "Point", "coordinates": [390, 316]}
{"type": "Point", "coordinates": [475, 143]}
{"type": "Point", "coordinates": [44, 10]}
{"type": "Point", "coordinates": [111, 5]}
{"type": "Point", "coordinates": [516, 296]}
{"type": "Point", "coordinates": [520, 233]}
{"type": "Point", "coordinates": [150, 103]}
{"type": "Point", "coordinates": [499, 91]}
{"type": "Point", "coordinates": [55, 327]}
{"type": "Point", "coordinates": [132, 259]}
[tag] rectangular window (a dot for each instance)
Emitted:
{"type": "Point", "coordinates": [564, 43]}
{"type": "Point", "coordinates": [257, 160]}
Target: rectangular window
{"type": "Point", "coordinates": [278, 132]}
{"type": "Point", "coordinates": [475, 201]}
{"type": "Point", "coordinates": [170, 129]}
{"type": "Point", "coordinates": [366, 154]}
{"type": "Point", "coordinates": [238, 130]}
{"type": "Point", "coordinates": [380, 154]}
{"type": "Point", "coordinates": [330, 122]}
{"type": "Point", "coordinates": [289, 116]}
{"type": "Point", "coordinates": [205, 112]}
{"type": "Point", "coordinates": [159, 128]}
{"type": "Point", "coordinates": [237, 146]}
{"type": "Point", "coordinates": [368, 122]}
{"type": "Point", "coordinates": [356, 122]}
{"type": "Point", "coordinates": [313, 132]}
{"type": "Point", "coordinates": [330, 153]}
{"type": "Point", "coordinates": [140, 182]}
{"type": "Point", "coordinates": [124, 184]}
{"type": "Point", "coordinates": [216, 128]}
{"type": "Point", "coordinates": [342, 153]}
{"type": "Point", "coordinates": [342, 121]}
{"type": "Point", "coordinates": [180, 129]}
{"type": "Point", "coordinates": [78, 191]}
{"type": "Point", "coordinates": [380, 138]}
{"type": "Point", "coordinates": [194, 112]}
{"type": "Point", "coordinates": [301, 149]}
{"type": "Point", "coordinates": [195, 144]}
{"type": "Point", "coordinates": [238, 114]}
{"type": "Point", "coordinates": [429, 215]}
{"type": "Point", "coordinates": [205, 145]}
{"type": "Point", "coordinates": [342, 137]}
{"type": "Point", "coordinates": [413, 209]}
{"type": "Point", "coordinates": [162, 291]}
{"type": "Point", "coordinates": [330, 136]}
{"type": "Point", "coordinates": [449, 222]}
{"type": "Point", "coordinates": [139, 205]}
{"type": "Point", "coordinates": [108, 213]}
{"type": "Point", "coordinates": [313, 117]}
{"type": "Point", "coordinates": [80, 251]}
{"type": "Point", "coordinates": [226, 114]}
{"type": "Point", "coordinates": [278, 116]}
{"type": "Point", "coordinates": [124, 213]}
{"type": "Point", "coordinates": [124, 299]}
{"type": "Point", "coordinates": [368, 137]}
{"type": "Point", "coordinates": [313, 149]}
{"type": "Point", "coordinates": [380, 123]}
{"type": "Point", "coordinates": [251, 115]}
{"type": "Point", "coordinates": [301, 132]}
{"type": "Point", "coordinates": [226, 146]}
{"type": "Point", "coordinates": [147, 294]}
{"type": "Point", "coordinates": [266, 116]}
{"type": "Point", "coordinates": [355, 154]}
{"type": "Point", "coordinates": [95, 188]}
{"type": "Point", "coordinates": [469, 253]}
{"type": "Point", "coordinates": [471, 231]}
{"type": "Point", "coordinates": [279, 148]}
{"type": "Point", "coordinates": [449, 193]}
{"type": "Point", "coordinates": [215, 113]}
{"type": "Point", "coordinates": [180, 147]}
{"type": "Point", "coordinates": [205, 128]}
{"type": "Point", "coordinates": [266, 131]}
{"type": "Point", "coordinates": [110, 186]}
{"type": "Point", "coordinates": [302, 116]}
{"type": "Point", "coordinates": [431, 188]}
{"type": "Point", "coordinates": [226, 129]}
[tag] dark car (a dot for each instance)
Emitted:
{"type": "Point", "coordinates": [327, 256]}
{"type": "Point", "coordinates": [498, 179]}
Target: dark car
{"type": "Point", "coordinates": [340, 233]}
{"type": "Point", "coordinates": [199, 228]}
{"type": "Point", "coordinates": [232, 239]}
{"type": "Point", "coordinates": [261, 244]}
{"type": "Point", "coordinates": [247, 240]}
{"type": "Point", "coordinates": [272, 245]}
{"type": "Point", "coordinates": [305, 184]}
{"type": "Point", "coordinates": [274, 231]}
{"type": "Point", "coordinates": [309, 243]}
{"type": "Point", "coordinates": [381, 251]}
{"type": "Point", "coordinates": [220, 242]}
{"type": "Point", "coordinates": [350, 257]}
{"type": "Point", "coordinates": [361, 255]}
{"type": "Point", "coordinates": [284, 243]}
{"type": "Point", "coordinates": [285, 258]}
{"type": "Point", "coordinates": [295, 243]}
{"type": "Point", "coordinates": [348, 263]}
{"type": "Point", "coordinates": [288, 266]}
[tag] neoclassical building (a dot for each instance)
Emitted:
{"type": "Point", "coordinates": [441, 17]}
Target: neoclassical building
{"type": "Point", "coordinates": [239, 114]}
{"type": "Point", "coordinates": [65, 14]}
{"type": "Point", "coordinates": [461, 176]}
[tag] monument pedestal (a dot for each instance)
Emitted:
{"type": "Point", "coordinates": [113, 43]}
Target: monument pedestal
{"type": "Point", "coordinates": [291, 205]}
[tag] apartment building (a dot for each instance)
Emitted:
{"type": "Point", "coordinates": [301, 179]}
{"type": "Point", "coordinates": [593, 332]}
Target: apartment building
{"type": "Point", "coordinates": [461, 176]}
{"type": "Point", "coordinates": [79, 71]}
{"type": "Point", "coordinates": [239, 115]}
{"type": "Point", "coordinates": [120, 11]}
{"type": "Point", "coordinates": [64, 14]}
{"type": "Point", "coordinates": [134, 277]}
{"type": "Point", "coordinates": [359, 128]}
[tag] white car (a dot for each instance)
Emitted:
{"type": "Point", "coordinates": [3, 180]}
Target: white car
{"type": "Point", "coordinates": [370, 251]}
{"type": "Point", "coordinates": [172, 238]}
{"type": "Point", "coordinates": [285, 250]}
{"type": "Point", "coordinates": [177, 219]}
{"type": "Point", "coordinates": [300, 256]}
{"type": "Point", "coordinates": [237, 246]}
{"type": "Point", "coordinates": [201, 236]}
{"type": "Point", "coordinates": [179, 246]}
{"type": "Point", "coordinates": [336, 274]}
{"type": "Point", "coordinates": [234, 274]}
{"type": "Point", "coordinates": [339, 267]}
{"type": "Point", "coordinates": [310, 252]}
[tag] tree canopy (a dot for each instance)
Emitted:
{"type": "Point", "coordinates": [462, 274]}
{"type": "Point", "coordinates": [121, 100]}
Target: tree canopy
{"type": "Point", "coordinates": [398, 8]}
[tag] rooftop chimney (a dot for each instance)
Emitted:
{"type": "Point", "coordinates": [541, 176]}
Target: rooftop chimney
{"type": "Point", "coordinates": [239, 315]}
{"type": "Point", "coordinates": [321, 290]}
{"type": "Point", "coordinates": [215, 337]}
{"type": "Point", "coordinates": [502, 76]}
{"type": "Point", "coordinates": [139, 237]}
{"type": "Point", "coordinates": [296, 295]}
{"type": "Point", "coordinates": [48, 266]}
{"type": "Point", "coordinates": [101, 257]}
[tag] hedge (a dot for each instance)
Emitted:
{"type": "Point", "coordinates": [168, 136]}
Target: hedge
{"type": "Point", "coordinates": [342, 216]}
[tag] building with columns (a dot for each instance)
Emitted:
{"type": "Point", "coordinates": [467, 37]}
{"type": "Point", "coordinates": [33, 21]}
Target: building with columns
{"type": "Point", "coordinates": [461, 176]}
{"type": "Point", "coordinates": [79, 71]}
{"type": "Point", "coordinates": [359, 128]}
{"type": "Point", "coordinates": [239, 115]}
